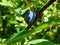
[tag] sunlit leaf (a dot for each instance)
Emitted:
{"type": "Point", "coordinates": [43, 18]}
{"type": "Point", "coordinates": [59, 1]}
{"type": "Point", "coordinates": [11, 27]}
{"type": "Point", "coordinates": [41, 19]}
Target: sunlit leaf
{"type": "Point", "coordinates": [40, 42]}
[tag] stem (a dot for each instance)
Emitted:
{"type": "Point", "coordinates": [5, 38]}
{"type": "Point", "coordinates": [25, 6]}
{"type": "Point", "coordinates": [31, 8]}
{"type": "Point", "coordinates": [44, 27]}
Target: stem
{"type": "Point", "coordinates": [40, 13]}
{"type": "Point", "coordinates": [47, 5]}
{"type": "Point", "coordinates": [28, 4]}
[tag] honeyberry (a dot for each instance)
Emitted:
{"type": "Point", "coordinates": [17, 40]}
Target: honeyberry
{"type": "Point", "coordinates": [30, 16]}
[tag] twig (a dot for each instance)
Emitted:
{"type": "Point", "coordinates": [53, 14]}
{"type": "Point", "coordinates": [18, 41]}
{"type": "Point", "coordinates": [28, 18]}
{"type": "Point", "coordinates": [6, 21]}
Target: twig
{"type": "Point", "coordinates": [39, 14]}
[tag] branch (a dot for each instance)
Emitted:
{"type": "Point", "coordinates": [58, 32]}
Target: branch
{"type": "Point", "coordinates": [39, 14]}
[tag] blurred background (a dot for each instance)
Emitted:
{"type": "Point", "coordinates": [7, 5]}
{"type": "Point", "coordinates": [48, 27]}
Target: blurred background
{"type": "Point", "coordinates": [46, 30]}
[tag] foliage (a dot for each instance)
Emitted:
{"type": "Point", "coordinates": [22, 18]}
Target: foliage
{"type": "Point", "coordinates": [13, 26]}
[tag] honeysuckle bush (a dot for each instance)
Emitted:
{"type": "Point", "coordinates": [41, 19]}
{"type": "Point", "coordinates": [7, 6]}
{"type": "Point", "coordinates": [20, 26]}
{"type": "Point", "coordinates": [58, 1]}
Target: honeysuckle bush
{"type": "Point", "coordinates": [13, 26]}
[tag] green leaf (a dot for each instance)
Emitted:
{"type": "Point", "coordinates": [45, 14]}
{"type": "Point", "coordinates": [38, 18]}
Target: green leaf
{"type": "Point", "coordinates": [15, 11]}
{"type": "Point", "coordinates": [10, 4]}
{"type": "Point", "coordinates": [40, 42]}
{"type": "Point", "coordinates": [4, 4]}
{"type": "Point", "coordinates": [10, 16]}
{"type": "Point", "coordinates": [22, 34]}
{"type": "Point", "coordinates": [18, 10]}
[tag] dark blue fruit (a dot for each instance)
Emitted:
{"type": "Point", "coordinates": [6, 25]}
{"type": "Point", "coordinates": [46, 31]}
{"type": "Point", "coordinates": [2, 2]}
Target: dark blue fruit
{"type": "Point", "coordinates": [30, 16]}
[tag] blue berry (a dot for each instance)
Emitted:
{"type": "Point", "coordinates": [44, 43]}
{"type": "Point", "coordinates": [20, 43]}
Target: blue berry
{"type": "Point", "coordinates": [30, 16]}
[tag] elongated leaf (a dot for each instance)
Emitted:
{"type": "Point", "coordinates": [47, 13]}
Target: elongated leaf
{"type": "Point", "coordinates": [10, 4]}
{"type": "Point", "coordinates": [4, 4]}
{"type": "Point", "coordinates": [40, 42]}
{"type": "Point", "coordinates": [24, 33]}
